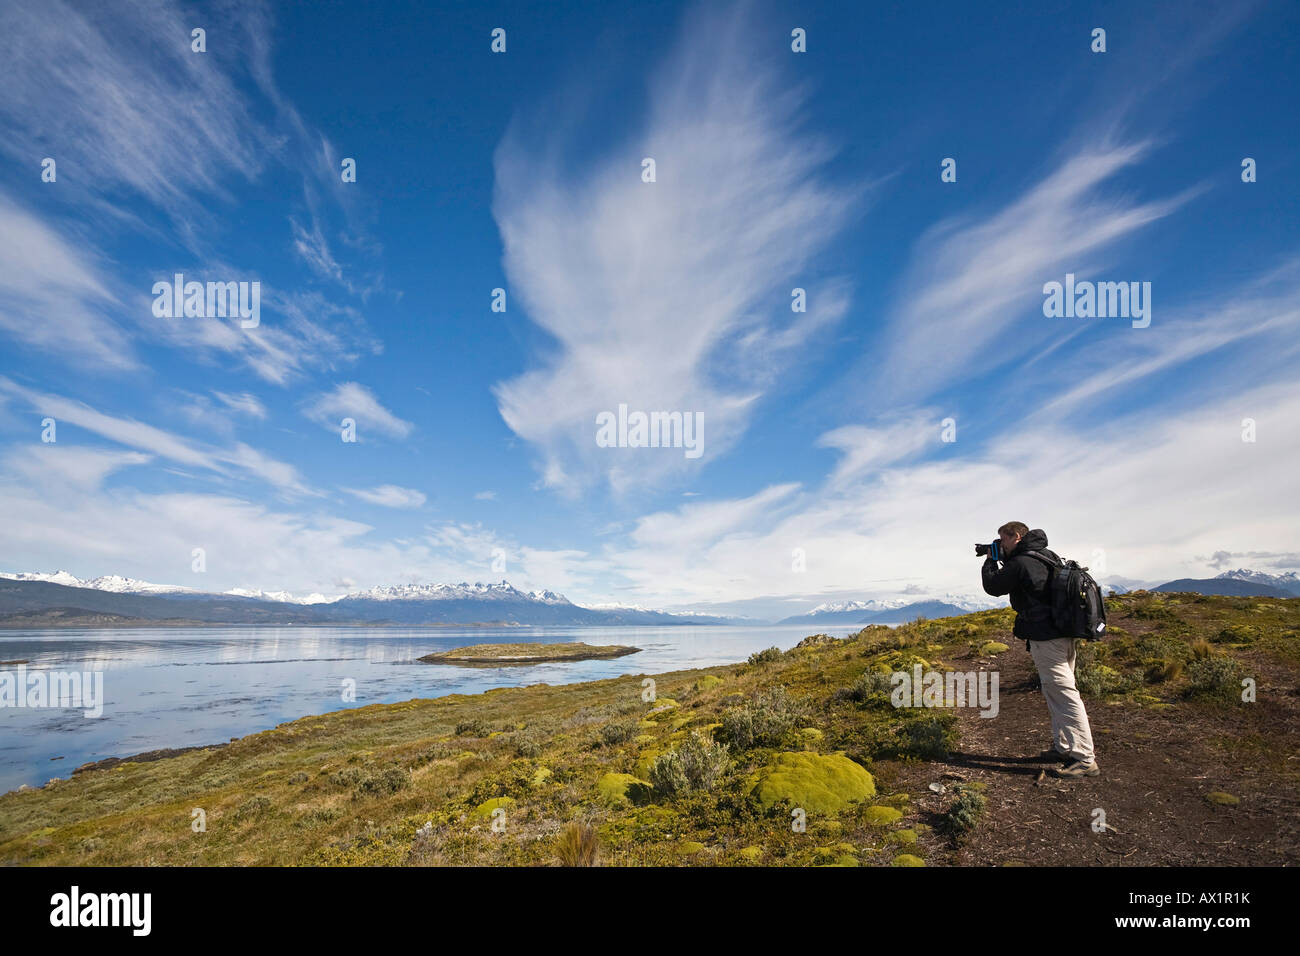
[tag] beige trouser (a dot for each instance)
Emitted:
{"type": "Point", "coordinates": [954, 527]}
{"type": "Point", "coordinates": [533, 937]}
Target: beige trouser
{"type": "Point", "coordinates": [1070, 731]}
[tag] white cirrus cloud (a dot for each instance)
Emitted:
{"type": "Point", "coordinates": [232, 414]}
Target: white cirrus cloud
{"type": "Point", "coordinates": [866, 448]}
{"type": "Point", "coordinates": [299, 333]}
{"type": "Point", "coordinates": [972, 280]}
{"type": "Point", "coordinates": [389, 496]}
{"type": "Point", "coordinates": [238, 459]}
{"type": "Point", "coordinates": [127, 101]}
{"type": "Point", "coordinates": [355, 401]}
{"type": "Point", "coordinates": [53, 297]}
{"type": "Point", "coordinates": [55, 465]}
{"type": "Point", "coordinates": [244, 403]}
{"type": "Point", "coordinates": [673, 295]}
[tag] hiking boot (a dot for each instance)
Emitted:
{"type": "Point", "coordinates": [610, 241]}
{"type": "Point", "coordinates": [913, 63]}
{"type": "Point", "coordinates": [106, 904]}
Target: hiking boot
{"type": "Point", "coordinates": [1077, 769]}
{"type": "Point", "coordinates": [1052, 754]}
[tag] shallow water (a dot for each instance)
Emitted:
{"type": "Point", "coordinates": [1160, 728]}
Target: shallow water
{"type": "Point", "coordinates": [186, 687]}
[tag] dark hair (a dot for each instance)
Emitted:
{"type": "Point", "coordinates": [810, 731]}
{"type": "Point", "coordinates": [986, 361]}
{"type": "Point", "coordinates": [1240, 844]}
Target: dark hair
{"type": "Point", "coordinates": [1014, 527]}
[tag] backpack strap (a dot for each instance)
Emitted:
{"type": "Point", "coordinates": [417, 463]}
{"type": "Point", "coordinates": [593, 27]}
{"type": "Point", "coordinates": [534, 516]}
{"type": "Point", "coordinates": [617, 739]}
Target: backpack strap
{"type": "Point", "coordinates": [1052, 565]}
{"type": "Point", "coordinates": [1041, 557]}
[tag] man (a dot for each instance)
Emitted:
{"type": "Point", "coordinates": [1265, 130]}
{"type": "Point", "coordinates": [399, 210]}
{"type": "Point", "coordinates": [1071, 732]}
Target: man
{"type": "Point", "coordinates": [1024, 577]}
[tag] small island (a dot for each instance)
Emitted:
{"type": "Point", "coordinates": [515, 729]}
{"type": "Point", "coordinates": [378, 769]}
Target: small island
{"type": "Point", "coordinates": [498, 655]}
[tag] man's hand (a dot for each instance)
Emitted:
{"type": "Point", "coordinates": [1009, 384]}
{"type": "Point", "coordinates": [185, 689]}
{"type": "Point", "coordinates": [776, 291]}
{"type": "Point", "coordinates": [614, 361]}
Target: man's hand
{"type": "Point", "coordinates": [998, 580]}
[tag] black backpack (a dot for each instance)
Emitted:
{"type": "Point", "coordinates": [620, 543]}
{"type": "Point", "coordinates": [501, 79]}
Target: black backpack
{"type": "Point", "coordinates": [1075, 599]}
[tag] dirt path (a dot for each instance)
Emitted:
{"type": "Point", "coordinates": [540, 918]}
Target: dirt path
{"type": "Point", "coordinates": [1156, 768]}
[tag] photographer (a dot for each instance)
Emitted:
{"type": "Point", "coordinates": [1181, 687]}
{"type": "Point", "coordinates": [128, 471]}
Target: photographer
{"type": "Point", "coordinates": [1010, 569]}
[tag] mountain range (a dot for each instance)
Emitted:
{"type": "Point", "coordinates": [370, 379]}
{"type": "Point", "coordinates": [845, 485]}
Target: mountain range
{"type": "Point", "coordinates": [1287, 581]}
{"type": "Point", "coordinates": [1241, 583]}
{"type": "Point", "coordinates": [38, 599]}
{"type": "Point", "coordinates": [881, 612]}
{"type": "Point", "coordinates": [60, 598]}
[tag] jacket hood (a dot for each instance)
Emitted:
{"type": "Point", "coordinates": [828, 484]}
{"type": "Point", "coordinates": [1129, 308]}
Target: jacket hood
{"type": "Point", "coordinates": [1035, 540]}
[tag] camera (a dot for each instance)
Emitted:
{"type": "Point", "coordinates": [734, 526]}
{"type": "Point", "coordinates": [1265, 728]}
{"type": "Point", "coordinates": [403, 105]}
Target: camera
{"type": "Point", "coordinates": [993, 550]}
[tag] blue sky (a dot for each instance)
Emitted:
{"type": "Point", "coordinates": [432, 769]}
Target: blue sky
{"type": "Point", "coordinates": [523, 170]}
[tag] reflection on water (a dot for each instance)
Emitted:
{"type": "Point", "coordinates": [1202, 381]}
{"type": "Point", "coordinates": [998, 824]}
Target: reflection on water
{"type": "Point", "coordinates": [182, 687]}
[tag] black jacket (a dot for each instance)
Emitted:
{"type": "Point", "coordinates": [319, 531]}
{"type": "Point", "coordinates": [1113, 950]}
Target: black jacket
{"type": "Point", "coordinates": [1025, 579]}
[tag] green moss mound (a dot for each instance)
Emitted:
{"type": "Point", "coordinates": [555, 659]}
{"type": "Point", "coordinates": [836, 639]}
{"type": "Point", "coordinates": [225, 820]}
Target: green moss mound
{"type": "Point", "coordinates": [620, 789]}
{"type": "Point", "coordinates": [1222, 799]}
{"type": "Point", "coordinates": [644, 762]}
{"type": "Point", "coordinates": [993, 647]}
{"type": "Point", "coordinates": [484, 810]}
{"type": "Point", "coordinates": [907, 859]}
{"type": "Point", "coordinates": [819, 783]}
{"type": "Point", "coordinates": [881, 816]}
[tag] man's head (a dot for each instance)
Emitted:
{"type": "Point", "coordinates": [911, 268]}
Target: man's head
{"type": "Point", "coordinates": [1010, 534]}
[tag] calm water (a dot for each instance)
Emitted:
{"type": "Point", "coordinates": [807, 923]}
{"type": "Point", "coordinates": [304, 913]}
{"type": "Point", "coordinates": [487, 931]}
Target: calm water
{"type": "Point", "coordinates": [183, 687]}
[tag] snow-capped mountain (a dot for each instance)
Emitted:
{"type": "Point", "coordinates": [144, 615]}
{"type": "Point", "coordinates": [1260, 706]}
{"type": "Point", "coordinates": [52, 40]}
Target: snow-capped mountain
{"type": "Point", "coordinates": [1287, 581]}
{"type": "Point", "coordinates": [114, 583]}
{"type": "Point", "coordinates": [964, 602]}
{"type": "Point", "coordinates": [548, 597]}
{"type": "Point", "coordinates": [455, 592]}
{"type": "Point", "coordinates": [837, 607]}
{"type": "Point", "coordinates": [892, 611]}
{"type": "Point", "coordinates": [691, 615]}
{"type": "Point", "coordinates": [53, 577]}
{"type": "Point", "coordinates": [980, 602]}
{"type": "Point", "coordinates": [282, 596]}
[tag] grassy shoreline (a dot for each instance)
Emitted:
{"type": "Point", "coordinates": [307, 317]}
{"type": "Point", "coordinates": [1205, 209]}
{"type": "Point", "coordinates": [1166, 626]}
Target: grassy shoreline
{"type": "Point", "coordinates": [705, 773]}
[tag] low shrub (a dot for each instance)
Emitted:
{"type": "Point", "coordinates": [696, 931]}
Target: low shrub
{"type": "Point", "coordinates": [929, 737]}
{"type": "Point", "coordinates": [870, 685]}
{"type": "Point", "coordinates": [1214, 677]}
{"type": "Point", "coordinates": [617, 732]}
{"type": "Point", "coordinates": [388, 780]}
{"type": "Point", "coordinates": [698, 764]}
{"type": "Point", "coordinates": [763, 721]}
{"type": "Point", "coordinates": [964, 814]}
